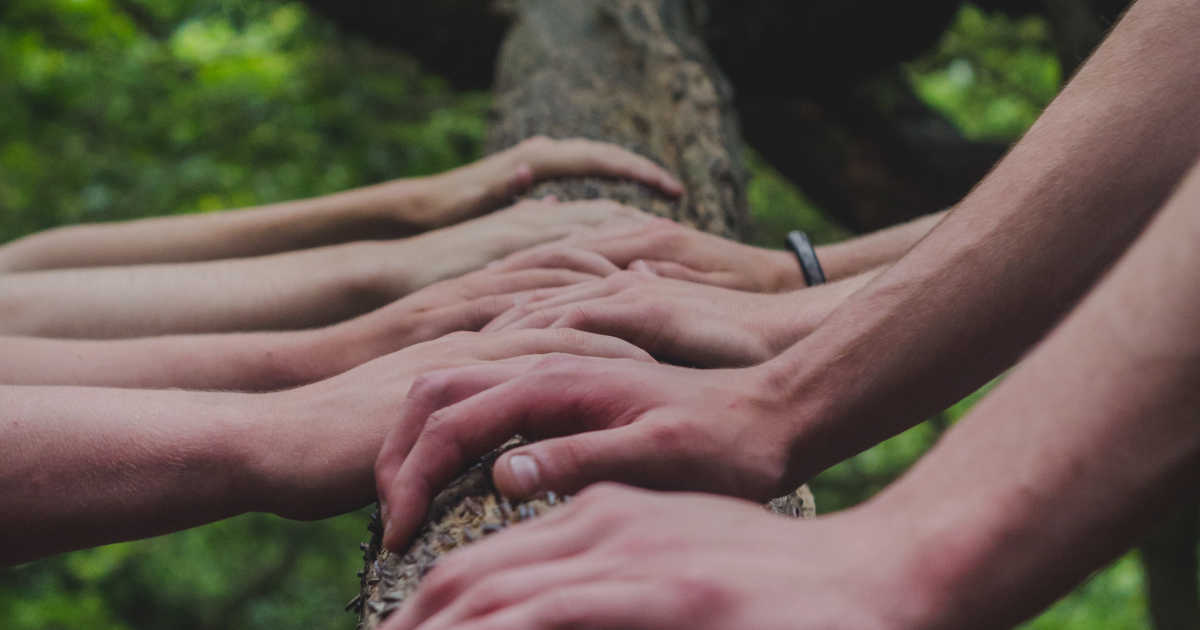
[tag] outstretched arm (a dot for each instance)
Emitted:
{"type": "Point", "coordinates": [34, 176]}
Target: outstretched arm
{"type": "Point", "coordinates": [1054, 473]}
{"type": "Point", "coordinates": [389, 210]}
{"type": "Point", "coordinates": [84, 466]}
{"type": "Point", "coordinates": [263, 361]}
{"type": "Point", "coordinates": [293, 290]}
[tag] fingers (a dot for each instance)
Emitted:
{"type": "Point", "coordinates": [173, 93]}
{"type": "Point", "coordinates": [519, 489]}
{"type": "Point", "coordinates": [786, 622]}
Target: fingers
{"type": "Point", "coordinates": [676, 271]}
{"type": "Point", "coordinates": [495, 572]}
{"type": "Point", "coordinates": [635, 454]}
{"type": "Point", "coordinates": [548, 158]}
{"type": "Point", "coordinates": [558, 256]}
{"type": "Point", "coordinates": [513, 343]}
{"type": "Point", "coordinates": [428, 393]}
{"type": "Point", "coordinates": [544, 308]}
{"type": "Point", "coordinates": [592, 605]}
{"type": "Point", "coordinates": [453, 435]}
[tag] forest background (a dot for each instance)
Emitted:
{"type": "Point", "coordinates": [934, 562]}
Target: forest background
{"type": "Point", "coordinates": [116, 109]}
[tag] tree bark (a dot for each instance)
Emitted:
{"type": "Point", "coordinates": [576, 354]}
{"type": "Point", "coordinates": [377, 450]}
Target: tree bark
{"type": "Point", "coordinates": [632, 72]}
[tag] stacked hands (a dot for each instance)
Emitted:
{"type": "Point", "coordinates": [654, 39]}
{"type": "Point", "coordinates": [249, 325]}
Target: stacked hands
{"type": "Point", "coordinates": [575, 302]}
{"type": "Point", "coordinates": [351, 365]}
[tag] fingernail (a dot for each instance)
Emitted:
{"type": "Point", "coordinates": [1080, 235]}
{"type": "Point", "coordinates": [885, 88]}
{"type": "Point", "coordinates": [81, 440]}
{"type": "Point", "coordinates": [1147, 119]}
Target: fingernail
{"type": "Point", "coordinates": [524, 470]}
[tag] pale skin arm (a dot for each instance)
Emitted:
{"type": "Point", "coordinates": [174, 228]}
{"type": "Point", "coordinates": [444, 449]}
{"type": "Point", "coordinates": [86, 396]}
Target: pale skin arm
{"type": "Point", "coordinates": [1057, 471]}
{"type": "Point", "coordinates": [991, 279]}
{"type": "Point", "coordinates": [282, 291]}
{"type": "Point", "coordinates": [389, 210]}
{"type": "Point", "coordinates": [85, 466]}
{"type": "Point", "coordinates": [263, 361]}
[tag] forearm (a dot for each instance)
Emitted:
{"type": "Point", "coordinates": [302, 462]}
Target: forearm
{"type": "Point", "coordinates": [796, 314]}
{"type": "Point", "coordinates": [227, 362]}
{"type": "Point", "coordinates": [87, 466]}
{"type": "Point", "coordinates": [388, 210]}
{"type": "Point", "coordinates": [283, 291]}
{"type": "Point", "coordinates": [857, 255]}
{"type": "Point", "coordinates": [244, 362]}
{"type": "Point", "coordinates": [997, 273]}
{"type": "Point", "coordinates": [1079, 449]}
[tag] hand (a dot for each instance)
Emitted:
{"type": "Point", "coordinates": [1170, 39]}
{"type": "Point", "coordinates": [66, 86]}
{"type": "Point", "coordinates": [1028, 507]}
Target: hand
{"type": "Point", "coordinates": [463, 303]}
{"type": "Point", "coordinates": [652, 425]}
{"type": "Point", "coordinates": [401, 267]}
{"type": "Point", "coordinates": [676, 251]}
{"type": "Point", "coordinates": [681, 322]}
{"type": "Point", "coordinates": [486, 184]}
{"type": "Point", "coordinates": [623, 559]}
{"type": "Point", "coordinates": [317, 442]}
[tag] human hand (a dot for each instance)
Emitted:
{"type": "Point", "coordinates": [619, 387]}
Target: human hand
{"type": "Point", "coordinates": [456, 250]}
{"type": "Point", "coordinates": [672, 250]}
{"type": "Point", "coordinates": [486, 184]}
{"type": "Point", "coordinates": [463, 303]}
{"type": "Point", "coordinates": [623, 559]}
{"type": "Point", "coordinates": [316, 443]}
{"type": "Point", "coordinates": [652, 425]}
{"type": "Point", "coordinates": [681, 322]}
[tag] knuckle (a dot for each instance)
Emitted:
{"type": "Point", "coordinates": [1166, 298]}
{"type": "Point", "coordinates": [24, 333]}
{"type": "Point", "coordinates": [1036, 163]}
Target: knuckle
{"type": "Point", "coordinates": [536, 143]}
{"type": "Point", "coordinates": [577, 318]}
{"type": "Point", "coordinates": [669, 437]}
{"type": "Point", "coordinates": [427, 386]}
{"type": "Point", "coordinates": [693, 594]}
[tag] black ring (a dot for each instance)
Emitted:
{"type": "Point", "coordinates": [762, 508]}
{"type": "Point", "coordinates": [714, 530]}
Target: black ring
{"type": "Point", "coordinates": [798, 242]}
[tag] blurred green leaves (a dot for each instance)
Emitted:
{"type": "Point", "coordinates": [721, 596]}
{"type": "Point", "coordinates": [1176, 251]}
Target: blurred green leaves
{"type": "Point", "coordinates": [991, 75]}
{"type": "Point", "coordinates": [199, 106]}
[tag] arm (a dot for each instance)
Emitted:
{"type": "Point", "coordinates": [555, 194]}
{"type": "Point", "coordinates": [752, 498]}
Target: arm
{"type": "Point", "coordinates": [1054, 473]}
{"type": "Point", "coordinates": [1013, 256]}
{"type": "Point", "coordinates": [858, 255]}
{"type": "Point", "coordinates": [283, 291]}
{"type": "Point", "coordinates": [84, 466]}
{"type": "Point", "coordinates": [991, 279]}
{"type": "Point", "coordinates": [389, 210]}
{"type": "Point", "coordinates": [264, 361]}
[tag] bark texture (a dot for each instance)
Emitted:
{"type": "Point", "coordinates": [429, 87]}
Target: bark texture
{"type": "Point", "coordinates": [633, 72]}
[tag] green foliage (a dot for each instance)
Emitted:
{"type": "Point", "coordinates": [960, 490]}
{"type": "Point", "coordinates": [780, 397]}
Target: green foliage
{"type": "Point", "coordinates": [114, 109]}
{"type": "Point", "coordinates": [991, 75]}
{"type": "Point", "coordinates": [196, 106]}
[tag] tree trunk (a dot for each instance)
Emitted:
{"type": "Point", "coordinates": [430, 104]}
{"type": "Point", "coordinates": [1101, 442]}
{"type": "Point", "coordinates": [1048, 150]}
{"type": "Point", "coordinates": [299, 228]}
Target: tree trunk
{"type": "Point", "coordinates": [633, 72]}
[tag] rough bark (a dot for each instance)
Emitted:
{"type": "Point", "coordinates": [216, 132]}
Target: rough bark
{"type": "Point", "coordinates": [633, 72]}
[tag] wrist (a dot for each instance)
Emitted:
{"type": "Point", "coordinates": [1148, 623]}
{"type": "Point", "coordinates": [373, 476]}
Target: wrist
{"type": "Point", "coordinates": [960, 554]}
{"type": "Point", "coordinates": [781, 271]}
{"type": "Point", "coordinates": [307, 459]}
{"type": "Point", "coordinates": [909, 559]}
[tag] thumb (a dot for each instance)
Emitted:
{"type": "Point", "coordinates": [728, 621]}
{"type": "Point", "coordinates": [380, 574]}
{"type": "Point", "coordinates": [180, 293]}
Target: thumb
{"type": "Point", "coordinates": [568, 464]}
